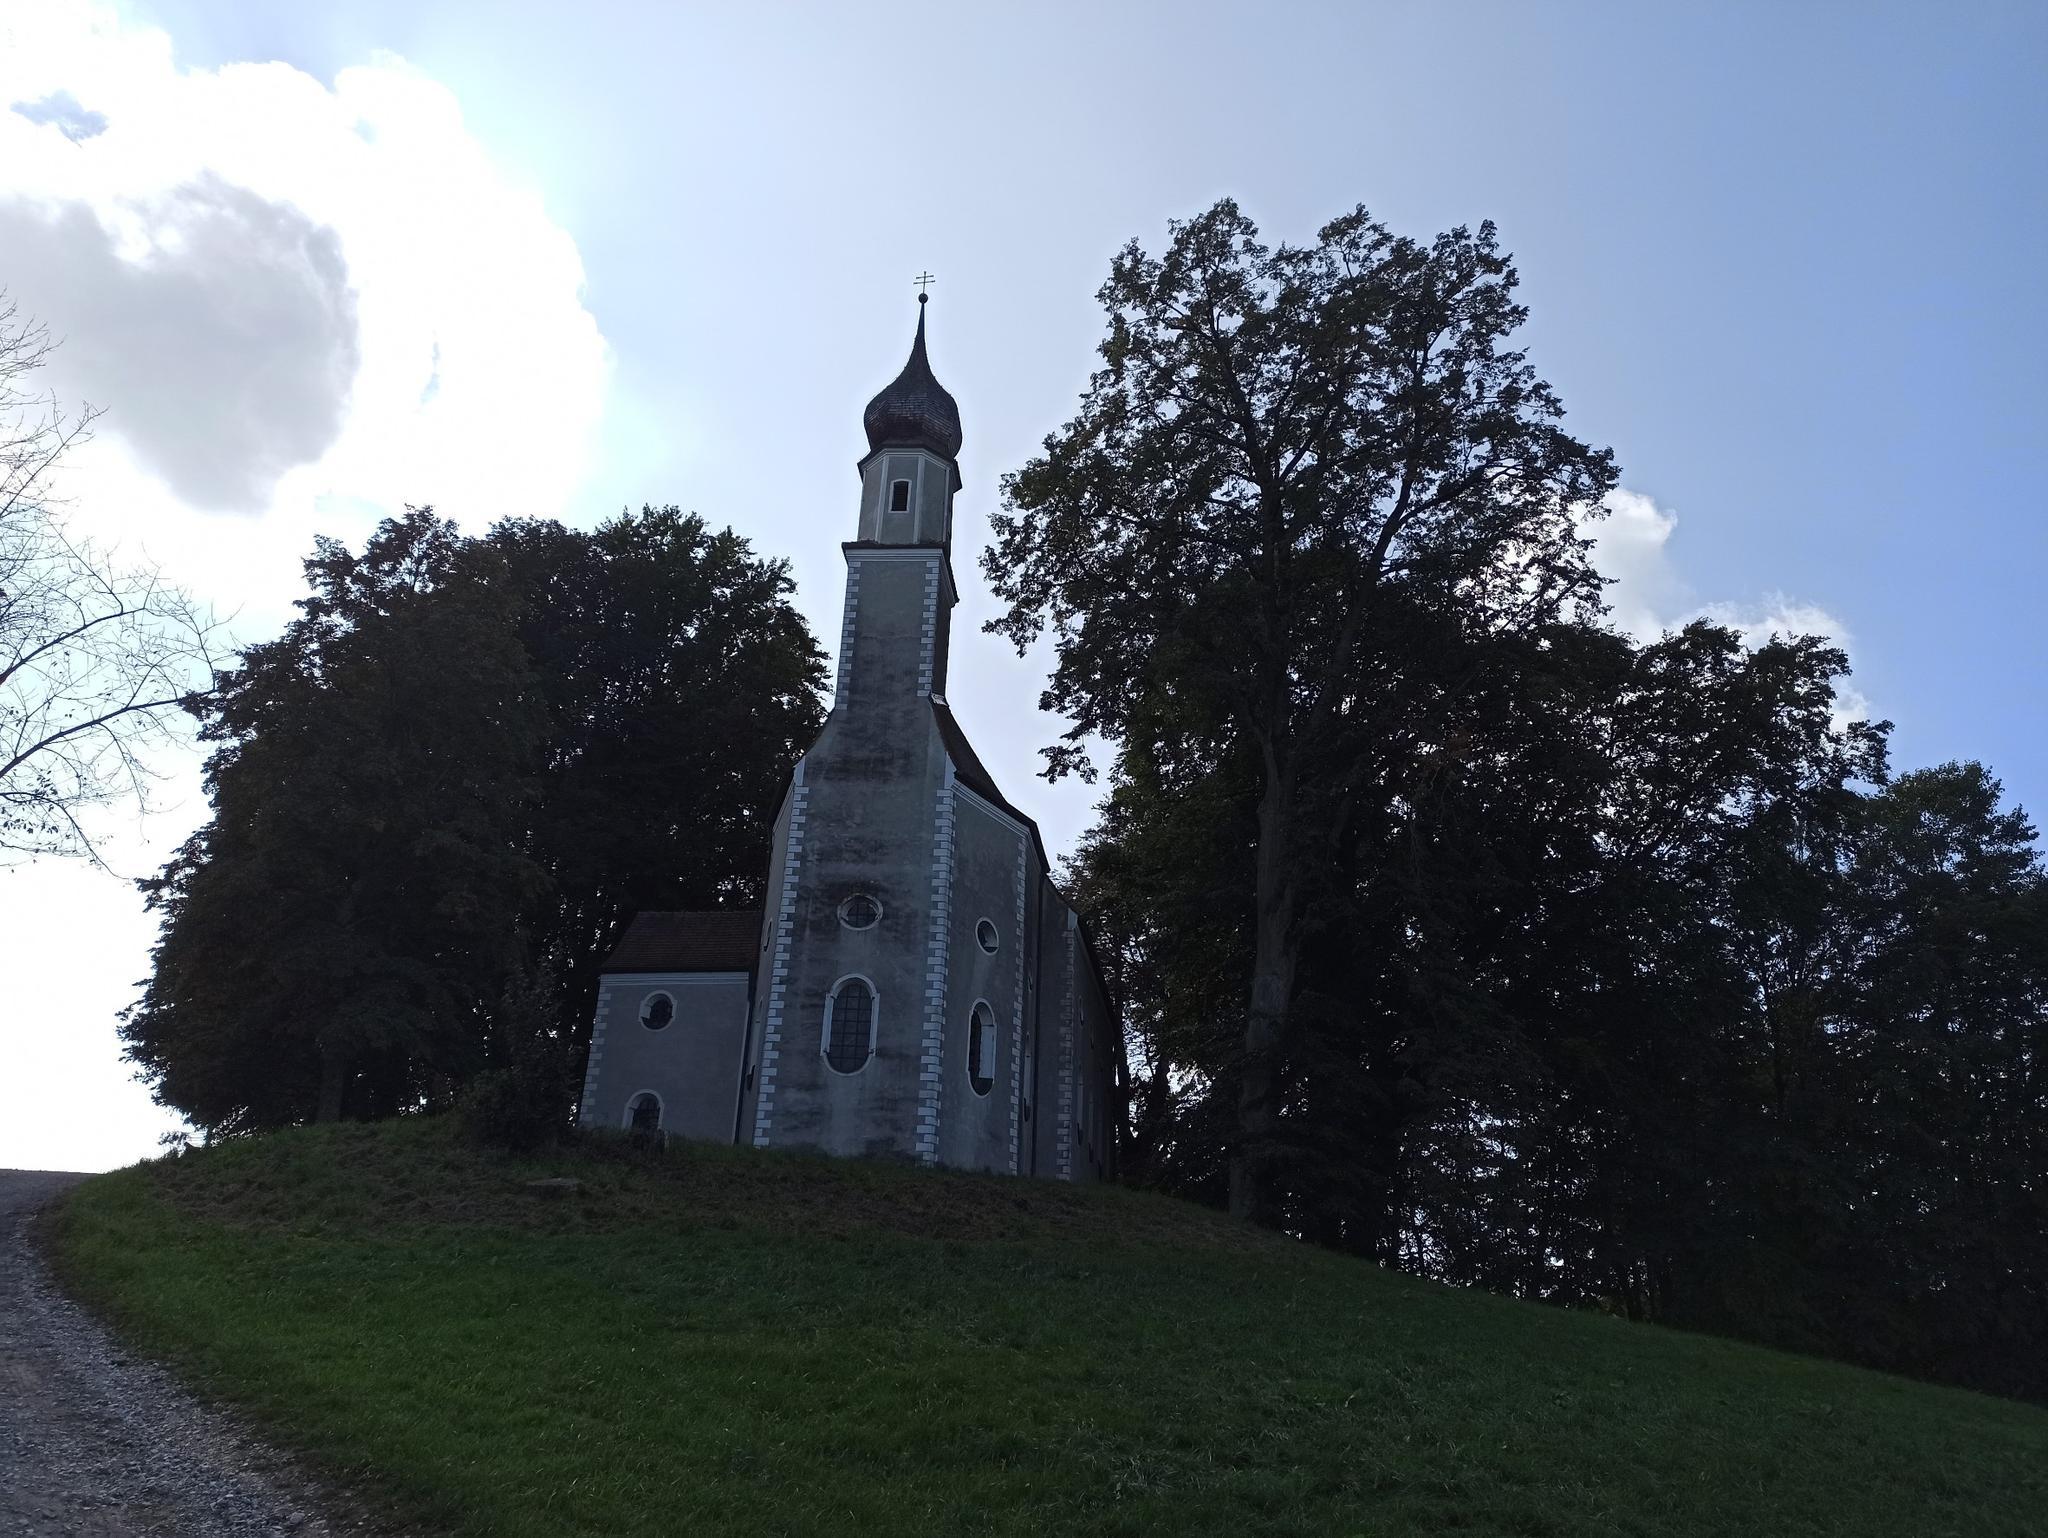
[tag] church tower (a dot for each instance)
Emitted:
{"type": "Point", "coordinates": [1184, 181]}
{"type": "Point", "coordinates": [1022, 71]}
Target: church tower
{"type": "Point", "coordinates": [851, 1022]}
{"type": "Point", "coordinates": [920, 989]}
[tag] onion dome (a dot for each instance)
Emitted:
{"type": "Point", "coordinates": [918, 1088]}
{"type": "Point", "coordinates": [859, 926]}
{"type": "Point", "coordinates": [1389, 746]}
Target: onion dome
{"type": "Point", "coordinates": [914, 411]}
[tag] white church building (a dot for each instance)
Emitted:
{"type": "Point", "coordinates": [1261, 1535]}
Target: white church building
{"type": "Point", "coordinates": [916, 986]}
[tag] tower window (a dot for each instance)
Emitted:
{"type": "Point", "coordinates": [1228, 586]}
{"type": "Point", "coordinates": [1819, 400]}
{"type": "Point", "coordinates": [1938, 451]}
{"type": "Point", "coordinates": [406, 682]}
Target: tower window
{"type": "Point", "coordinates": [643, 1112]}
{"type": "Point", "coordinates": [850, 1025]}
{"type": "Point", "coordinates": [986, 937]}
{"type": "Point", "coordinates": [981, 1049]}
{"type": "Point", "coordinates": [899, 496]}
{"type": "Point", "coordinates": [860, 911]}
{"type": "Point", "coordinates": [657, 1010]}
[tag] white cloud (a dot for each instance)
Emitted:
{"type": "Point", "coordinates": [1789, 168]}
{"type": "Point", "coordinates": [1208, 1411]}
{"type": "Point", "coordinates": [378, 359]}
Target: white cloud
{"type": "Point", "coordinates": [1647, 596]}
{"type": "Point", "coordinates": [173, 225]}
{"type": "Point", "coordinates": [1631, 548]}
{"type": "Point", "coordinates": [479, 376]}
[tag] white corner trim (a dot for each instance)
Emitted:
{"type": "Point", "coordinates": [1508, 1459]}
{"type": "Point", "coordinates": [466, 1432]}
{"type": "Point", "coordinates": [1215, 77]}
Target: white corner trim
{"type": "Point", "coordinates": [778, 972]}
{"type": "Point", "coordinates": [931, 1054]}
{"type": "Point", "coordinates": [843, 676]}
{"type": "Point", "coordinates": [587, 1111]}
{"type": "Point", "coordinates": [1017, 1015]}
{"type": "Point", "coordinates": [1068, 1131]}
{"type": "Point", "coordinates": [928, 629]}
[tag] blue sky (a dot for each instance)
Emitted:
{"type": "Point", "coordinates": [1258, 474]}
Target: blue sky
{"type": "Point", "coordinates": [1787, 259]}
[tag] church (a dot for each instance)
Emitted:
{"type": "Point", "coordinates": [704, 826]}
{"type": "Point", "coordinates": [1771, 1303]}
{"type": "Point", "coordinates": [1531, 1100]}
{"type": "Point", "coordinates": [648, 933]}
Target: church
{"type": "Point", "coordinates": [916, 986]}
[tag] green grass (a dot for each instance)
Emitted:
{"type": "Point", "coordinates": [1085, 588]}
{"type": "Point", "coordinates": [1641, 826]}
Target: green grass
{"type": "Point", "coordinates": [723, 1342]}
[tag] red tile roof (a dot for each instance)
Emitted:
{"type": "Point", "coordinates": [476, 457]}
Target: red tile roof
{"type": "Point", "coordinates": [708, 940]}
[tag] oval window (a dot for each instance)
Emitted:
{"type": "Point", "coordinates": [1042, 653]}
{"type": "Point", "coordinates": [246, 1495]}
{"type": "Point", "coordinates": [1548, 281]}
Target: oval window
{"type": "Point", "coordinates": [860, 911]}
{"type": "Point", "coordinates": [850, 1025]}
{"type": "Point", "coordinates": [985, 935]}
{"type": "Point", "coordinates": [981, 1049]}
{"type": "Point", "coordinates": [657, 1010]}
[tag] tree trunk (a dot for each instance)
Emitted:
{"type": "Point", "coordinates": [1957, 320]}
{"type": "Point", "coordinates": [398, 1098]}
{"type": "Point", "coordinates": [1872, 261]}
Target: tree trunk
{"type": "Point", "coordinates": [1272, 993]}
{"type": "Point", "coordinates": [333, 1082]}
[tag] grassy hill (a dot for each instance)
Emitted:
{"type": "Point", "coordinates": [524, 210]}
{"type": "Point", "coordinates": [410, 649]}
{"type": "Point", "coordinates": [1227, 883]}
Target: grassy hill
{"type": "Point", "coordinates": [717, 1341]}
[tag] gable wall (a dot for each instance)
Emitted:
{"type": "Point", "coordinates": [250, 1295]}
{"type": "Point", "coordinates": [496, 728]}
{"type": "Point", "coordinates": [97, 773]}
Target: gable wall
{"type": "Point", "coordinates": [693, 1063]}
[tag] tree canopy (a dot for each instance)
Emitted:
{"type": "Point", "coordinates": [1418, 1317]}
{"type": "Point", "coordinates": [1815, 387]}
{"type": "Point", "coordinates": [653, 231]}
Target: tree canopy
{"type": "Point", "coordinates": [442, 790]}
{"type": "Point", "coordinates": [1297, 471]}
{"type": "Point", "coordinates": [1451, 927]}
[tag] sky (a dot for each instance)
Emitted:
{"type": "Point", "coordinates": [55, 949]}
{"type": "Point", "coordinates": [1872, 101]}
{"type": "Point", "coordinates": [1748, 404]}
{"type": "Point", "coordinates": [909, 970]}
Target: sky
{"type": "Point", "coordinates": [318, 262]}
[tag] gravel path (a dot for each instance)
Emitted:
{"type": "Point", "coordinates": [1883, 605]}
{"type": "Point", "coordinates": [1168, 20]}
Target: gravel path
{"type": "Point", "coordinates": [97, 1444]}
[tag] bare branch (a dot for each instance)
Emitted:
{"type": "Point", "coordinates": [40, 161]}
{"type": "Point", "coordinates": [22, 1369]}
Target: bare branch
{"type": "Point", "coordinates": [99, 660]}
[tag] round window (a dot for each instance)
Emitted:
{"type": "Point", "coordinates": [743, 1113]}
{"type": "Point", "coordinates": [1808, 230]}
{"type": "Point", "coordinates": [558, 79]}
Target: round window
{"type": "Point", "coordinates": [985, 934]}
{"type": "Point", "coordinates": [860, 911]}
{"type": "Point", "coordinates": [657, 1010]}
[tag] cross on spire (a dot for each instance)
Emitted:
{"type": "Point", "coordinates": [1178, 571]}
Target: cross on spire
{"type": "Point", "coordinates": [923, 280]}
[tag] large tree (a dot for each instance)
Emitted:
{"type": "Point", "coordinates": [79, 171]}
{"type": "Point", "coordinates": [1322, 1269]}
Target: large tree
{"type": "Point", "coordinates": [1647, 994]}
{"type": "Point", "coordinates": [1938, 1261]}
{"type": "Point", "coordinates": [1293, 461]}
{"type": "Point", "coordinates": [441, 792]}
{"type": "Point", "coordinates": [334, 936]}
{"type": "Point", "coordinates": [680, 685]}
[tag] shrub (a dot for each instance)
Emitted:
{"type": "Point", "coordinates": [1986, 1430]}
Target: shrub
{"type": "Point", "coordinates": [517, 1107]}
{"type": "Point", "coordinates": [524, 1100]}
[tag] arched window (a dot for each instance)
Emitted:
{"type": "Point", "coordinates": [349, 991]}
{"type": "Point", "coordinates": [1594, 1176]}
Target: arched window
{"type": "Point", "coordinates": [981, 1049]}
{"type": "Point", "coordinates": [850, 1025]}
{"type": "Point", "coordinates": [643, 1112]}
{"type": "Point", "coordinates": [899, 496]}
{"type": "Point", "coordinates": [656, 1010]}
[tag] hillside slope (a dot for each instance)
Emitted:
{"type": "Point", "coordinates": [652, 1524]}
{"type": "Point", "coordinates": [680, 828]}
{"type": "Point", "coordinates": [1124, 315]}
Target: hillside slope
{"type": "Point", "coordinates": [723, 1342]}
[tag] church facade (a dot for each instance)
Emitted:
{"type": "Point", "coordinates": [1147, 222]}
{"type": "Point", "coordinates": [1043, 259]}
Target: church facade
{"type": "Point", "coordinates": [916, 986]}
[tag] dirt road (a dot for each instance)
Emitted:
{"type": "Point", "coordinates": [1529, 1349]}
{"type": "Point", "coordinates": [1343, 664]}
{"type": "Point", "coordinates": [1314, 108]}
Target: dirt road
{"type": "Point", "coordinates": [96, 1444]}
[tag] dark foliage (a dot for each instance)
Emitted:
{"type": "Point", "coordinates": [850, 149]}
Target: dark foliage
{"type": "Point", "coordinates": [1606, 974]}
{"type": "Point", "coordinates": [1296, 465]}
{"type": "Point", "coordinates": [447, 785]}
{"type": "Point", "coordinates": [525, 1100]}
{"type": "Point", "coordinates": [1646, 993]}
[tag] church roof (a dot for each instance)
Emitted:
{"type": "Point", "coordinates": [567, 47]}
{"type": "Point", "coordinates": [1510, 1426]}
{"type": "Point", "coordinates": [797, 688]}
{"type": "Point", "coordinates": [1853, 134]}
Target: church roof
{"type": "Point", "coordinates": [914, 410]}
{"type": "Point", "coordinates": [970, 771]}
{"type": "Point", "coordinates": [967, 765]}
{"type": "Point", "coordinates": [703, 940]}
